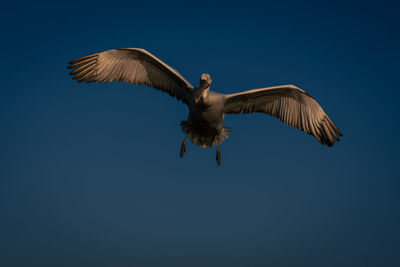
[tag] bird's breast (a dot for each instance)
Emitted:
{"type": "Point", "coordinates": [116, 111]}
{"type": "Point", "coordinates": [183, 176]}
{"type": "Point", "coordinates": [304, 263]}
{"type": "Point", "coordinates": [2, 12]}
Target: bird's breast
{"type": "Point", "coordinates": [205, 116]}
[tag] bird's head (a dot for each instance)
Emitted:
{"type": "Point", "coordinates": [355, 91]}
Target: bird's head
{"type": "Point", "coordinates": [205, 82]}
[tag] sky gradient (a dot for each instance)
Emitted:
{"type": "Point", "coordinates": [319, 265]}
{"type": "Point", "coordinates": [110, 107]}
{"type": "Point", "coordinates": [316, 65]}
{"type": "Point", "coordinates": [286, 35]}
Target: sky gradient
{"type": "Point", "coordinates": [90, 173]}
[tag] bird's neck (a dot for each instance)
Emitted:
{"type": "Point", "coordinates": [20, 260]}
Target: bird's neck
{"type": "Point", "coordinates": [204, 96]}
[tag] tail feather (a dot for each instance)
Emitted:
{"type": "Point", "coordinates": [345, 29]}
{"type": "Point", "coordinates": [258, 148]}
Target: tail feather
{"type": "Point", "coordinates": [206, 140]}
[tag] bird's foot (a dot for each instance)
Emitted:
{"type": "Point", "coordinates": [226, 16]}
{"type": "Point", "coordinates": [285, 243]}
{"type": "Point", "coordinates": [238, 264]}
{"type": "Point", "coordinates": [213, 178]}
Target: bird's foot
{"type": "Point", "coordinates": [183, 147]}
{"type": "Point", "coordinates": [218, 158]}
{"type": "Point", "coordinates": [183, 150]}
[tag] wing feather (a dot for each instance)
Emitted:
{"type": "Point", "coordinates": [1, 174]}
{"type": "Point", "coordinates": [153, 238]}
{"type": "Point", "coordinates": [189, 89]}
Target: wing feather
{"type": "Point", "coordinates": [291, 105]}
{"type": "Point", "coordinates": [132, 65]}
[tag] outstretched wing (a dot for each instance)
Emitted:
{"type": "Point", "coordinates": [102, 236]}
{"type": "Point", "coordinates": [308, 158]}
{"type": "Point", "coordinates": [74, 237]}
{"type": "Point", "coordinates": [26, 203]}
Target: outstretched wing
{"type": "Point", "coordinates": [291, 105]}
{"type": "Point", "coordinates": [132, 65]}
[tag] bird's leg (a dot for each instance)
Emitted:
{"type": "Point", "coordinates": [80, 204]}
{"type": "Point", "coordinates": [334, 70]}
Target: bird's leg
{"type": "Point", "coordinates": [218, 155]}
{"type": "Point", "coordinates": [183, 147]}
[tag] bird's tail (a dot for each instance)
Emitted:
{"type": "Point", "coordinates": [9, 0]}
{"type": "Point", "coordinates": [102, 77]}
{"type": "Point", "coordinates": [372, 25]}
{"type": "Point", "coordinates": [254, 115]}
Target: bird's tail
{"type": "Point", "coordinates": [205, 140]}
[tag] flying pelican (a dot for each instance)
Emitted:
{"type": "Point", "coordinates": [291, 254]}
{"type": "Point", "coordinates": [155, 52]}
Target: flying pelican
{"type": "Point", "coordinates": [207, 109]}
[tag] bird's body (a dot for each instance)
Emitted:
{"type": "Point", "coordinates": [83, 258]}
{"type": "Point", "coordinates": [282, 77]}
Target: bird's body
{"type": "Point", "coordinates": [207, 109]}
{"type": "Point", "coordinates": [205, 120]}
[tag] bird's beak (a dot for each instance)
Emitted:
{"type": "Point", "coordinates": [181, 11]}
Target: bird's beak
{"type": "Point", "coordinates": [199, 93]}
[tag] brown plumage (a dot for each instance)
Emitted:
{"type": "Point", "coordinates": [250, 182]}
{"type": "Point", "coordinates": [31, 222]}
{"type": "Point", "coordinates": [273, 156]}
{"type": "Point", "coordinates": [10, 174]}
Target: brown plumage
{"type": "Point", "coordinates": [132, 65]}
{"type": "Point", "coordinates": [291, 105]}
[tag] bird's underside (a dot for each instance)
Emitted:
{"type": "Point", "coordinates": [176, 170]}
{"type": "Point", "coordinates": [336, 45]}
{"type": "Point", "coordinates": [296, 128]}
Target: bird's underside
{"type": "Point", "coordinates": [204, 125]}
{"type": "Point", "coordinates": [205, 137]}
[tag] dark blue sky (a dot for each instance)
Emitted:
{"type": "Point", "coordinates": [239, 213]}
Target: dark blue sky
{"type": "Point", "coordinates": [90, 173]}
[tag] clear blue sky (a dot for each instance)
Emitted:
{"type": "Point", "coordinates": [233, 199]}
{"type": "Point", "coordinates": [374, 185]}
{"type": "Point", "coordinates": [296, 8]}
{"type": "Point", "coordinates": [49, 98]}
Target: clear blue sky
{"type": "Point", "coordinates": [91, 174]}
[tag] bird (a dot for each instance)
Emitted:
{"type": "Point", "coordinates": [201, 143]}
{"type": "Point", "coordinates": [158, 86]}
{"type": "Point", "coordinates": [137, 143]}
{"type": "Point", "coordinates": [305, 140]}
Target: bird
{"type": "Point", "coordinates": [204, 125]}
